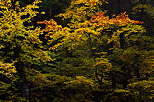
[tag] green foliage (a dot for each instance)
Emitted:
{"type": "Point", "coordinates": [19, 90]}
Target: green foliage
{"type": "Point", "coordinates": [50, 6]}
{"type": "Point", "coordinates": [144, 10]}
{"type": "Point", "coordinates": [20, 45]}
{"type": "Point", "coordinates": [144, 90]}
{"type": "Point", "coordinates": [8, 90]}
{"type": "Point", "coordinates": [94, 58]}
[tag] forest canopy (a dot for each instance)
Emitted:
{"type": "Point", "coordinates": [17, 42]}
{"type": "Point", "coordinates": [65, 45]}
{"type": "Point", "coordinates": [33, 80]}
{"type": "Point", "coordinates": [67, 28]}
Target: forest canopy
{"type": "Point", "coordinates": [76, 51]}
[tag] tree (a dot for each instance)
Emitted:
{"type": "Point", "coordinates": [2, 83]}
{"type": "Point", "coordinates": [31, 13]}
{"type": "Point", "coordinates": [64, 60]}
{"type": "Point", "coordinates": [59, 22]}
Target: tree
{"type": "Point", "coordinates": [99, 47]}
{"type": "Point", "coordinates": [7, 71]}
{"type": "Point", "coordinates": [95, 57]}
{"type": "Point", "coordinates": [20, 44]}
{"type": "Point", "coordinates": [143, 10]}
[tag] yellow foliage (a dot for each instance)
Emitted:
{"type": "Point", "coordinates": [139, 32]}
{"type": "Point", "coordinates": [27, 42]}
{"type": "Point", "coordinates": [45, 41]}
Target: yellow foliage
{"type": "Point", "coordinates": [7, 69]}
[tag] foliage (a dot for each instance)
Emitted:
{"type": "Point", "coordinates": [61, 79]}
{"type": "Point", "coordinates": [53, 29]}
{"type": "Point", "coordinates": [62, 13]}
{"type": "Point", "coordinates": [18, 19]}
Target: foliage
{"type": "Point", "coordinates": [20, 45]}
{"type": "Point", "coordinates": [109, 44]}
{"type": "Point", "coordinates": [7, 71]}
{"type": "Point", "coordinates": [143, 10]}
{"type": "Point", "coordinates": [144, 90]}
{"type": "Point", "coordinates": [93, 57]}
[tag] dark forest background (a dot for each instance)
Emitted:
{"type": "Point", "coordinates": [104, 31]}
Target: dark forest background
{"type": "Point", "coordinates": [114, 66]}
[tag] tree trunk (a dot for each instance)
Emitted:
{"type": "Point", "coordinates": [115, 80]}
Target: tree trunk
{"type": "Point", "coordinates": [113, 80]}
{"type": "Point", "coordinates": [25, 91]}
{"type": "Point", "coordinates": [122, 41]}
{"type": "Point", "coordinates": [24, 84]}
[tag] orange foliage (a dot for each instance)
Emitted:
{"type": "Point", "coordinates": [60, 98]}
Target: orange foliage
{"type": "Point", "coordinates": [50, 25]}
{"type": "Point", "coordinates": [122, 19]}
{"type": "Point", "coordinates": [78, 32]}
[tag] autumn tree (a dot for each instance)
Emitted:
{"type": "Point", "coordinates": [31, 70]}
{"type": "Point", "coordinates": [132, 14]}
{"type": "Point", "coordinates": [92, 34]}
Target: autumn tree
{"type": "Point", "coordinates": [97, 46]}
{"type": "Point", "coordinates": [20, 45]}
{"type": "Point", "coordinates": [97, 57]}
{"type": "Point", "coordinates": [7, 71]}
